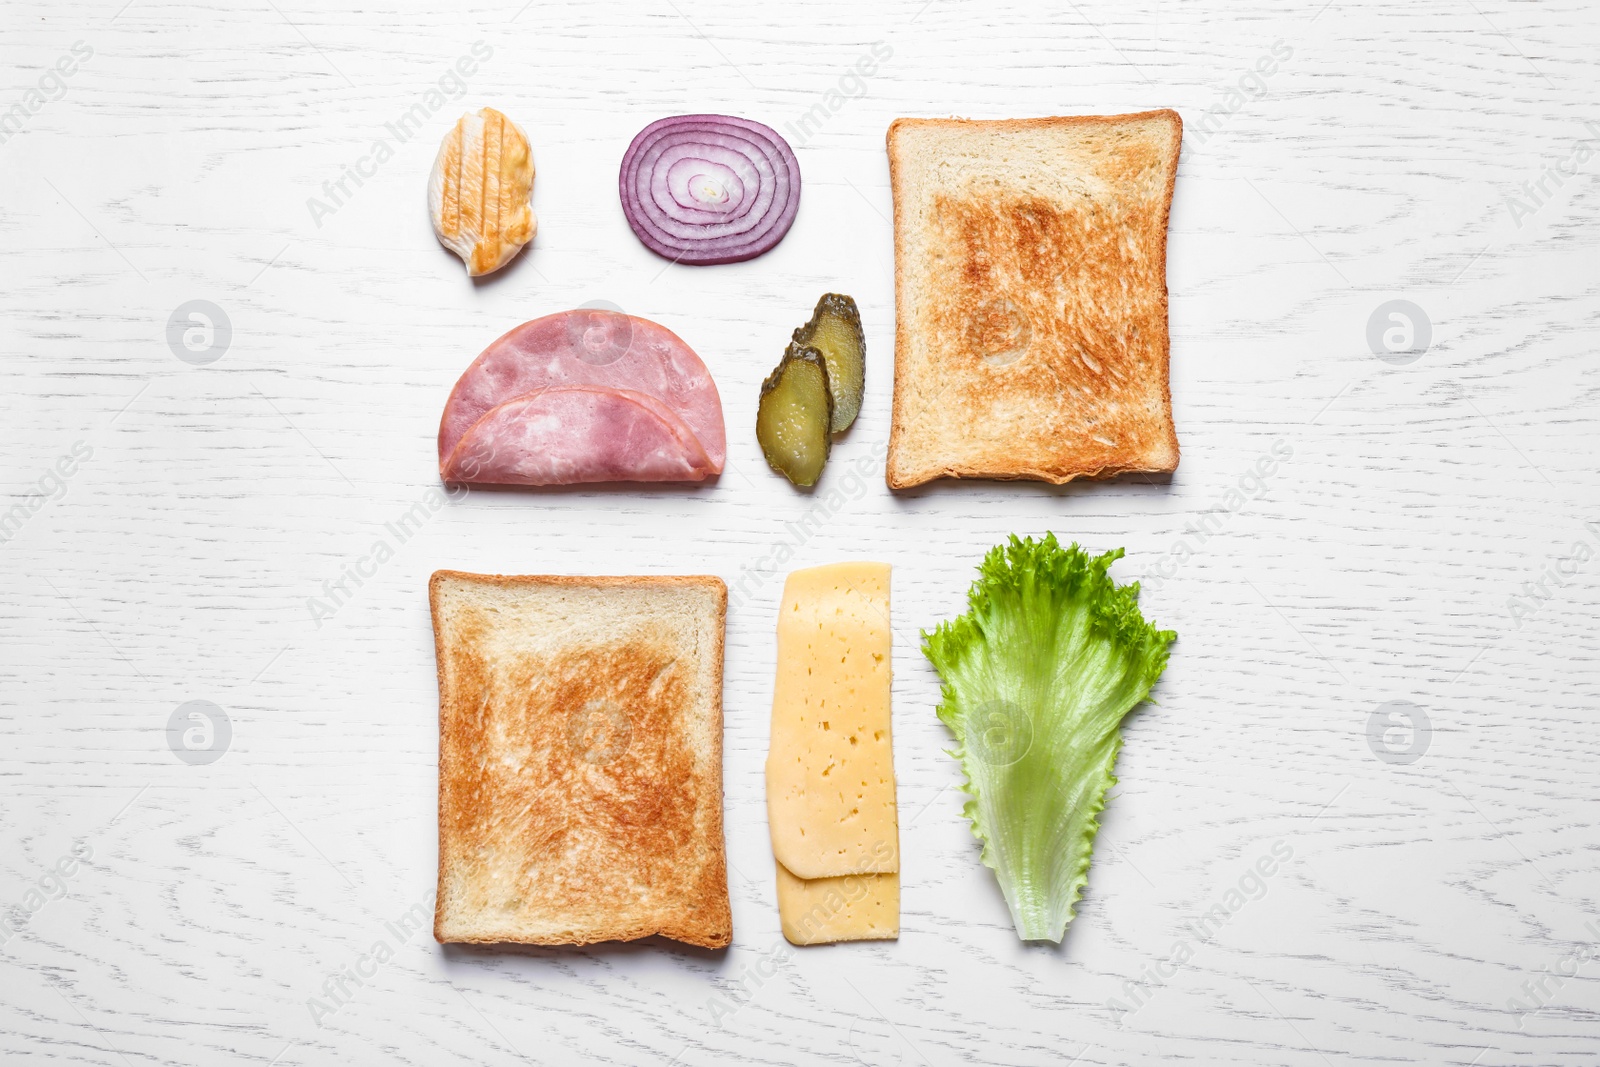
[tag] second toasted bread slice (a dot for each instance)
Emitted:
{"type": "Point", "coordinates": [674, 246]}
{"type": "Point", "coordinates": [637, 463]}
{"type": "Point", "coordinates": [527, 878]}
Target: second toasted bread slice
{"type": "Point", "coordinates": [580, 759]}
{"type": "Point", "coordinates": [1031, 297]}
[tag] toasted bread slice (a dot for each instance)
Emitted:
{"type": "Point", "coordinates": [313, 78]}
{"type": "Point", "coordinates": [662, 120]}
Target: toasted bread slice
{"type": "Point", "coordinates": [580, 759]}
{"type": "Point", "coordinates": [1031, 297]}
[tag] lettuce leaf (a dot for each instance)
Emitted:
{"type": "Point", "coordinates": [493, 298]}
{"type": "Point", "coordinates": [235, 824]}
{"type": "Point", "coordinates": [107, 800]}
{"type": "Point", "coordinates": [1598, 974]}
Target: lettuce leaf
{"type": "Point", "coordinates": [1038, 675]}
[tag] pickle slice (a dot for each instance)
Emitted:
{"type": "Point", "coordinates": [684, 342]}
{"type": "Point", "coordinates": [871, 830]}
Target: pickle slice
{"type": "Point", "coordinates": [835, 331]}
{"type": "Point", "coordinates": [794, 414]}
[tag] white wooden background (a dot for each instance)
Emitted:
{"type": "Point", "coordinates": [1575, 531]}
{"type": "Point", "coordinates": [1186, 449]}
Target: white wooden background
{"type": "Point", "coordinates": [1378, 563]}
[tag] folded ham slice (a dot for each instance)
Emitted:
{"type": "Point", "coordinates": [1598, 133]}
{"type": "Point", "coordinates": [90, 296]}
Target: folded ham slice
{"type": "Point", "coordinates": [599, 350]}
{"type": "Point", "coordinates": [577, 434]}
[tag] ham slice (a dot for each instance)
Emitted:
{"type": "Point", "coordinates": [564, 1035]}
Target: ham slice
{"type": "Point", "coordinates": [593, 348]}
{"type": "Point", "coordinates": [577, 434]}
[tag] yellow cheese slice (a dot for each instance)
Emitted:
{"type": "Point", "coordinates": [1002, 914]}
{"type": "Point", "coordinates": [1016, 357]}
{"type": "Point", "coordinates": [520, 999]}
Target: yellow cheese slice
{"type": "Point", "coordinates": [854, 907]}
{"type": "Point", "coordinates": [830, 769]}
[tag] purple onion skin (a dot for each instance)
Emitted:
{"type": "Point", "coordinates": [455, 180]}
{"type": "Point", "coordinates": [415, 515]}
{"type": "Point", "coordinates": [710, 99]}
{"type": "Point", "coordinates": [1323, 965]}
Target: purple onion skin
{"type": "Point", "coordinates": [755, 155]}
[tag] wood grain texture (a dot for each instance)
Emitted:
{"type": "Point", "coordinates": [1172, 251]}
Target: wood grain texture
{"type": "Point", "coordinates": [1377, 162]}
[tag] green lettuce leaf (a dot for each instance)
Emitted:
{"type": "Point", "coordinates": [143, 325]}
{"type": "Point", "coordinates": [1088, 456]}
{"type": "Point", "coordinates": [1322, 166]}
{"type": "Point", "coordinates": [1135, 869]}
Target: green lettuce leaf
{"type": "Point", "coordinates": [1038, 675]}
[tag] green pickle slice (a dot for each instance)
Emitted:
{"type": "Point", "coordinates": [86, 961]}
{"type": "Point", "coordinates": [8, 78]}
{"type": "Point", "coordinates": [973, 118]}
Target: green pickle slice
{"type": "Point", "coordinates": [835, 331]}
{"type": "Point", "coordinates": [794, 415]}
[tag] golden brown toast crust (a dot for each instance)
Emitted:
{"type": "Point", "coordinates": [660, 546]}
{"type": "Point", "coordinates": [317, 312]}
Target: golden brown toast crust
{"type": "Point", "coordinates": [570, 789]}
{"type": "Point", "coordinates": [1031, 326]}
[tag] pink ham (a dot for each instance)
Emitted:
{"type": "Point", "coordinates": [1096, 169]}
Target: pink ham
{"type": "Point", "coordinates": [577, 434]}
{"type": "Point", "coordinates": [589, 347]}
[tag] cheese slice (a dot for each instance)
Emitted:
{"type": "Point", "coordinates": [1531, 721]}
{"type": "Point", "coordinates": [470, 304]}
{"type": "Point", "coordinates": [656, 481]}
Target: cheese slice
{"type": "Point", "coordinates": [830, 768]}
{"type": "Point", "coordinates": [853, 907]}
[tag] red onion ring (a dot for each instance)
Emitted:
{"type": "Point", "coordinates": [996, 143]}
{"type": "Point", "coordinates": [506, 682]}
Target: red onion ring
{"type": "Point", "coordinates": [709, 188]}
